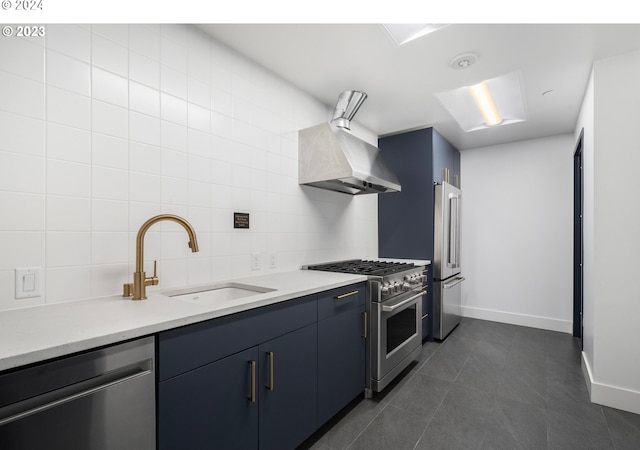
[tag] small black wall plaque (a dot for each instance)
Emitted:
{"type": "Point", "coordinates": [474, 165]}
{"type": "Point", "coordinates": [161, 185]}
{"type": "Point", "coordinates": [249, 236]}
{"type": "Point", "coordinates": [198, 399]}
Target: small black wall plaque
{"type": "Point", "coordinates": [240, 220]}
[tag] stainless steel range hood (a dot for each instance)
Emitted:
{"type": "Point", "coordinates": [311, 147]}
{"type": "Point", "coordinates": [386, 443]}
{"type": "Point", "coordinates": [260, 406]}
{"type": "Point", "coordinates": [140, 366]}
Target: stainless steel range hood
{"type": "Point", "coordinates": [330, 157]}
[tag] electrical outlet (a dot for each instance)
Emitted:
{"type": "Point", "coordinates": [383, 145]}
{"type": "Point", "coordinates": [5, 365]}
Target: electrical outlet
{"type": "Point", "coordinates": [255, 261]}
{"type": "Point", "coordinates": [273, 261]}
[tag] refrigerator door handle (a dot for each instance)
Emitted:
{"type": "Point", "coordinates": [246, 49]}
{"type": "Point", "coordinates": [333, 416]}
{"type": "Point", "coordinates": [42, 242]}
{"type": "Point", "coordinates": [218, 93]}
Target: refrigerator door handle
{"type": "Point", "coordinates": [455, 282]}
{"type": "Point", "coordinates": [453, 256]}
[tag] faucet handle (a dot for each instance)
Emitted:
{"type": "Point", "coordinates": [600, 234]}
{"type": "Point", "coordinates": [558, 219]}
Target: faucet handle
{"type": "Point", "coordinates": [127, 290]}
{"type": "Point", "coordinates": [153, 281]}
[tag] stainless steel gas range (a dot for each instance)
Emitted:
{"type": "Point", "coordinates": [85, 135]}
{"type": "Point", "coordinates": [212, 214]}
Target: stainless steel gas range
{"type": "Point", "coordinates": [394, 308]}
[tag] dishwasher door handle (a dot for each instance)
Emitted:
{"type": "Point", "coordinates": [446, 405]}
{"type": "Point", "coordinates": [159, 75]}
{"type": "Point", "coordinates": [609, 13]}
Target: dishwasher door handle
{"type": "Point", "coordinates": [65, 398]}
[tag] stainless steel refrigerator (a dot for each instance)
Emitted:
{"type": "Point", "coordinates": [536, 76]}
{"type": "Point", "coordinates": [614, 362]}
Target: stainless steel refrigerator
{"type": "Point", "coordinates": [447, 275]}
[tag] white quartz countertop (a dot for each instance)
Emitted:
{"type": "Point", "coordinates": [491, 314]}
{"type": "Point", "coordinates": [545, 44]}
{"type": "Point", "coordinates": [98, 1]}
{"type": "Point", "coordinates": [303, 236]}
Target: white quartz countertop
{"type": "Point", "coordinates": [38, 333]}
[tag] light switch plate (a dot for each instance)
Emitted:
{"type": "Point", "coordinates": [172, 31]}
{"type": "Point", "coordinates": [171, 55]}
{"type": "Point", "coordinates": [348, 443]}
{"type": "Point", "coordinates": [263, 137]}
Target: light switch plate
{"type": "Point", "coordinates": [28, 282]}
{"type": "Point", "coordinates": [255, 261]}
{"type": "Point", "coordinates": [273, 261]}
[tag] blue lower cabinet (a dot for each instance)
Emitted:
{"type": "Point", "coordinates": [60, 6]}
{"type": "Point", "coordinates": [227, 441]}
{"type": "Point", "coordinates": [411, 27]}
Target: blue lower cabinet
{"type": "Point", "coordinates": [341, 361]}
{"type": "Point", "coordinates": [262, 379]}
{"type": "Point", "coordinates": [288, 379]}
{"type": "Point", "coordinates": [210, 407]}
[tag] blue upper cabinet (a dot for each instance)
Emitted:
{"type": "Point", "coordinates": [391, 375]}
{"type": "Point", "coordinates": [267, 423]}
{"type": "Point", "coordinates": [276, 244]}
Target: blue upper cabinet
{"type": "Point", "coordinates": [446, 156]}
{"type": "Point", "coordinates": [405, 218]}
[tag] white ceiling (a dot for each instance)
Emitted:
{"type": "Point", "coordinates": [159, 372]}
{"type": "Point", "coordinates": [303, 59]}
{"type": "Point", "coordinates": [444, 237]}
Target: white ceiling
{"type": "Point", "coordinates": [326, 59]}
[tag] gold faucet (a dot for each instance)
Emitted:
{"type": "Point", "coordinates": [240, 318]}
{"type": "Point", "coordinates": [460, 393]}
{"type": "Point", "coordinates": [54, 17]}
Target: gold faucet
{"type": "Point", "coordinates": [138, 289]}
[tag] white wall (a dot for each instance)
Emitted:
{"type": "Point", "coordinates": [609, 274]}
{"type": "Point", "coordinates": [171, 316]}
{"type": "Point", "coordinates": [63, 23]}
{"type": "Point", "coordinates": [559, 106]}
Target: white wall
{"type": "Point", "coordinates": [102, 127]}
{"type": "Point", "coordinates": [612, 108]}
{"type": "Point", "coordinates": [517, 247]}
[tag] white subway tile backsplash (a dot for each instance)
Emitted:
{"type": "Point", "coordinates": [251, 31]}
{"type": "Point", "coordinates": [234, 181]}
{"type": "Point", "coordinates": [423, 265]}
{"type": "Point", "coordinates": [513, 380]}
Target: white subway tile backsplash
{"type": "Point", "coordinates": [110, 119]}
{"type": "Point", "coordinates": [199, 169]}
{"type": "Point", "coordinates": [198, 143]}
{"type": "Point", "coordinates": [221, 125]}
{"type": "Point", "coordinates": [221, 101]}
{"type": "Point", "coordinates": [144, 70]}
{"type": "Point", "coordinates": [109, 247]}
{"type": "Point", "coordinates": [59, 281]}
{"type": "Point", "coordinates": [21, 249]}
{"type": "Point", "coordinates": [199, 55]}
{"type": "Point", "coordinates": [199, 92]}
{"type": "Point", "coordinates": [174, 164]}
{"type": "Point", "coordinates": [118, 33]}
{"type": "Point", "coordinates": [68, 143]}
{"type": "Point", "coordinates": [144, 158]}
{"type": "Point", "coordinates": [199, 118]}
{"type": "Point", "coordinates": [109, 215]}
{"type": "Point", "coordinates": [174, 136]}
{"type": "Point", "coordinates": [173, 54]}
{"type": "Point", "coordinates": [68, 73]}
{"type": "Point", "coordinates": [109, 88]}
{"type": "Point", "coordinates": [144, 129]}
{"type": "Point", "coordinates": [21, 211]}
{"type": "Point", "coordinates": [21, 95]}
{"type": "Point", "coordinates": [173, 191]}
{"type": "Point", "coordinates": [21, 173]}
{"type": "Point", "coordinates": [144, 99]}
{"type": "Point", "coordinates": [109, 183]}
{"type": "Point", "coordinates": [71, 40]}
{"type": "Point", "coordinates": [138, 214]}
{"type": "Point", "coordinates": [68, 178]}
{"type": "Point", "coordinates": [109, 151]}
{"type": "Point", "coordinates": [68, 213]}
{"type": "Point", "coordinates": [145, 40]}
{"type": "Point", "coordinates": [173, 82]}
{"type": "Point", "coordinates": [21, 134]}
{"type": "Point", "coordinates": [136, 120]}
{"type": "Point", "coordinates": [21, 57]}
{"type": "Point", "coordinates": [68, 249]}
{"type": "Point", "coordinates": [68, 108]}
{"type": "Point", "coordinates": [109, 55]}
{"type": "Point", "coordinates": [173, 109]}
{"type": "Point", "coordinates": [144, 188]}
{"type": "Point", "coordinates": [107, 279]}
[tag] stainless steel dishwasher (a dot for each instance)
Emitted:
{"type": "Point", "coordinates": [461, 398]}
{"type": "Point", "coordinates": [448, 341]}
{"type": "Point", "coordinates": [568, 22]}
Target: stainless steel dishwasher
{"type": "Point", "coordinates": [102, 399]}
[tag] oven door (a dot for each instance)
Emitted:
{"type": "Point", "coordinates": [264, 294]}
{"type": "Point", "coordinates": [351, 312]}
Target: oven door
{"type": "Point", "coordinates": [397, 334]}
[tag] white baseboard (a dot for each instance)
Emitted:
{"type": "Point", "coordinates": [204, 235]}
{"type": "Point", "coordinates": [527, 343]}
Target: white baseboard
{"type": "Point", "coordinates": [607, 395]}
{"type": "Point", "coordinates": [544, 323]}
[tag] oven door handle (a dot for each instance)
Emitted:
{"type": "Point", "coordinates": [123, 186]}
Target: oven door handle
{"type": "Point", "coordinates": [392, 308]}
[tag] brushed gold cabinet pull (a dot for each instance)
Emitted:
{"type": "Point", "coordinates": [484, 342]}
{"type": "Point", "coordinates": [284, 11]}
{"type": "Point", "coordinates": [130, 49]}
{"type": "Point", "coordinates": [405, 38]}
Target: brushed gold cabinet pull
{"type": "Point", "coordinates": [425, 316]}
{"type": "Point", "coordinates": [252, 397]}
{"type": "Point", "coordinates": [271, 358]}
{"type": "Point", "coordinates": [364, 314]}
{"type": "Point", "coordinates": [348, 294]}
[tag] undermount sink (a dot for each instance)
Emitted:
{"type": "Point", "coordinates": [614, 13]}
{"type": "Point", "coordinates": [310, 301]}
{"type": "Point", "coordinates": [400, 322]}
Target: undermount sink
{"type": "Point", "coordinates": [206, 295]}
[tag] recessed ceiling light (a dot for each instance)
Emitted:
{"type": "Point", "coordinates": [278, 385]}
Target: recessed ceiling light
{"type": "Point", "coordinates": [401, 33]}
{"type": "Point", "coordinates": [464, 103]}
{"type": "Point", "coordinates": [463, 61]}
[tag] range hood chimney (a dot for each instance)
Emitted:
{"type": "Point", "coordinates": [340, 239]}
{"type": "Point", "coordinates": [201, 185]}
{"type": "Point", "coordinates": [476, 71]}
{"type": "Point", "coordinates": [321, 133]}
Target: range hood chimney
{"type": "Point", "coordinates": [330, 157]}
{"type": "Point", "coordinates": [349, 103]}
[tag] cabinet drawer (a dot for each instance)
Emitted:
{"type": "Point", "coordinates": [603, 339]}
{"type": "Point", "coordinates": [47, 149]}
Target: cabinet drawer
{"type": "Point", "coordinates": [186, 348]}
{"type": "Point", "coordinates": [340, 299]}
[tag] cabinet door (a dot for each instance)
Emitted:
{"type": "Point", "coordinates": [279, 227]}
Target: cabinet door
{"type": "Point", "coordinates": [288, 388]}
{"type": "Point", "coordinates": [341, 361]}
{"type": "Point", "coordinates": [211, 407]}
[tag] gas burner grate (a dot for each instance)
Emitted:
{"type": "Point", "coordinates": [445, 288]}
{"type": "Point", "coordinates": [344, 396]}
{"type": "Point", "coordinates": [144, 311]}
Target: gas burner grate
{"type": "Point", "coordinates": [363, 267]}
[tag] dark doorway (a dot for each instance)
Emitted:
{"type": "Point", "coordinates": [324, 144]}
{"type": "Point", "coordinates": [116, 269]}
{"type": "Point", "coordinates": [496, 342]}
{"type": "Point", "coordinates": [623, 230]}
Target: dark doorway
{"type": "Point", "coordinates": [578, 202]}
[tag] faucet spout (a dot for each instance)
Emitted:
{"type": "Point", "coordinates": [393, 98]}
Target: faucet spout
{"type": "Point", "coordinates": [137, 289]}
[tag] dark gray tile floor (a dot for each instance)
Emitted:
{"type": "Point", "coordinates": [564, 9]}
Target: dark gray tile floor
{"type": "Point", "coordinates": [488, 386]}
